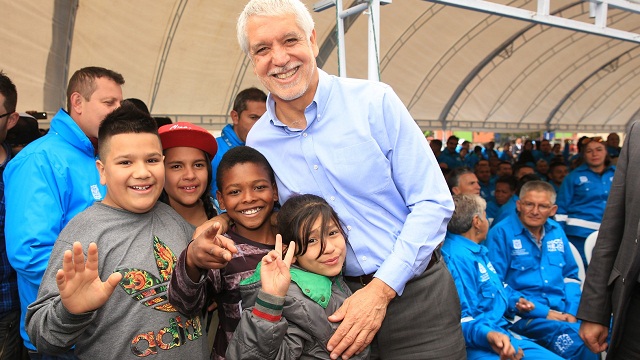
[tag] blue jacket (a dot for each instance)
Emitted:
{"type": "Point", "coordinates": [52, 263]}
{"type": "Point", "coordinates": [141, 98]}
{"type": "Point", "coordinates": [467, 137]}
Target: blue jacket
{"type": "Point", "coordinates": [227, 140]}
{"type": "Point", "coordinates": [46, 185]}
{"type": "Point", "coordinates": [484, 300]}
{"type": "Point", "coordinates": [582, 199]}
{"type": "Point", "coordinates": [487, 190]}
{"type": "Point", "coordinates": [452, 159]}
{"type": "Point", "coordinates": [492, 210]}
{"type": "Point", "coordinates": [506, 210]}
{"type": "Point", "coordinates": [547, 276]}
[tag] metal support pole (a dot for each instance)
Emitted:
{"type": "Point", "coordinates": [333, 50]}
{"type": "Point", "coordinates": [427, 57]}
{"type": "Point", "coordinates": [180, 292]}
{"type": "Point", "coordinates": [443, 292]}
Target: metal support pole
{"type": "Point", "coordinates": [543, 7]}
{"type": "Point", "coordinates": [342, 56]}
{"type": "Point", "coordinates": [374, 40]}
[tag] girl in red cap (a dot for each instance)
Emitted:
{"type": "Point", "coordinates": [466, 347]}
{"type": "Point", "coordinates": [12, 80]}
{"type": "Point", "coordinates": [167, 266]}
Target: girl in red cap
{"type": "Point", "coordinates": [188, 150]}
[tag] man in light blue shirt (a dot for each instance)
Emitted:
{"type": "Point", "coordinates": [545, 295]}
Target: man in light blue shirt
{"type": "Point", "coordinates": [354, 143]}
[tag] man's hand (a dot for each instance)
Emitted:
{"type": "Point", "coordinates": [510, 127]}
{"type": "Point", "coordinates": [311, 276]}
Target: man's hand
{"type": "Point", "coordinates": [560, 316]}
{"type": "Point", "coordinates": [502, 346]}
{"type": "Point", "coordinates": [361, 315]}
{"type": "Point", "coordinates": [208, 250]}
{"type": "Point", "coordinates": [524, 306]}
{"type": "Point", "coordinates": [80, 287]}
{"type": "Point", "coordinates": [274, 272]}
{"type": "Point", "coordinates": [594, 336]}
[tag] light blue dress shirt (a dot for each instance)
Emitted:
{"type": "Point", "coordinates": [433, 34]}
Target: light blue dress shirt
{"type": "Point", "coordinates": [363, 152]}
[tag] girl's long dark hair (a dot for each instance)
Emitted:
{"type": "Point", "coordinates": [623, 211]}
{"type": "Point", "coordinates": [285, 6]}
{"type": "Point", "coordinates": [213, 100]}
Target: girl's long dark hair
{"type": "Point", "coordinates": [297, 217]}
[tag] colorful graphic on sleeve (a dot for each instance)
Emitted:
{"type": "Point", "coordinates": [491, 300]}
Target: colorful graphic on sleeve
{"type": "Point", "coordinates": [150, 291]}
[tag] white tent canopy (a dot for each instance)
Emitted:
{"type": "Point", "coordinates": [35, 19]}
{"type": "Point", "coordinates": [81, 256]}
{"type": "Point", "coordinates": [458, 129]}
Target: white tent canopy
{"type": "Point", "coordinates": [453, 68]}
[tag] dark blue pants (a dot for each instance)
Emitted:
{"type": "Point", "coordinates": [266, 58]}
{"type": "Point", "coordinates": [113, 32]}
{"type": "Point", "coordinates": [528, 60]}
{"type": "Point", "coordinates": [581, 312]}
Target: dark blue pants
{"type": "Point", "coordinates": [10, 341]}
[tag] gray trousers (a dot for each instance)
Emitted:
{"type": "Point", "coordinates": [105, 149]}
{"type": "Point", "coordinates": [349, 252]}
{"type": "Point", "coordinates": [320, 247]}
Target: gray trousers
{"type": "Point", "coordinates": [423, 323]}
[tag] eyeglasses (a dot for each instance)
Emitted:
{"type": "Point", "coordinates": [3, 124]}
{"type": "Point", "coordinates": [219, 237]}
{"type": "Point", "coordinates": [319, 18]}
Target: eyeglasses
{"type": "Point", "coordinates": [541, 207]}
{"type": "Point", "coordinates": [585, 141]}
{"type": "Point", "coordinates": [9, 113]}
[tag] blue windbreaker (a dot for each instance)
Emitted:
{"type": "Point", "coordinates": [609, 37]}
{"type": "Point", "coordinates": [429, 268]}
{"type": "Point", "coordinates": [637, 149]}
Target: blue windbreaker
{"type": "Point", "coordinates": [452, 159]}
{"type": "Point", "coordinates": [227, 140]}
{"type": "Point", "coordinates": [547, 276]}
{"type": "Point", "coordinates": [46, 185]}
{"type": "Point", "coordinates": [582, 199]}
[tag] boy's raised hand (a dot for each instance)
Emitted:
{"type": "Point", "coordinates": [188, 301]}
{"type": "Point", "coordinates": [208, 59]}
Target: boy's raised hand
{"type": "Point", "coordinates": [79, 283]}
{"type": "Point", "coordinates": [274, 271]}
{"type": "Point", "coordinates": [209, 249]}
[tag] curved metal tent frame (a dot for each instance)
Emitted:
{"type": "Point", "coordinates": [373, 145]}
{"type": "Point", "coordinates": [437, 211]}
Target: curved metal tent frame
{"type": "Point", "coordinates": [454, 67]}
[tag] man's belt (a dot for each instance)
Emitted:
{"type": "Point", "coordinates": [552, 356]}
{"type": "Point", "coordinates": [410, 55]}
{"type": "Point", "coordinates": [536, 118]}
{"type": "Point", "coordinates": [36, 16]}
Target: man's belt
{"type": "Point", "coordinates": [365, 279]}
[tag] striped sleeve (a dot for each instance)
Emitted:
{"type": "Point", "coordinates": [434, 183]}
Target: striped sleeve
{"type": "Point", "coordinates": [268, 307]}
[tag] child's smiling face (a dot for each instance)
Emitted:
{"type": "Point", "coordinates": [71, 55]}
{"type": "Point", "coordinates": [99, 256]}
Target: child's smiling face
{"type": "Point", "coordinates": [330, 262]}
{"type": "Point", "coordinates": [248, 196]}
{"type": "Point", "coordinates": [186, 175]}
{"type": "Point", "coordinates": [133, 171]}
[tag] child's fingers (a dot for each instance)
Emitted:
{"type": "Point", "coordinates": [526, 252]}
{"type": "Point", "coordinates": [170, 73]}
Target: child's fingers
{"type": "Point", "coordinates": [225, 243]}
{"type": "Point", "coordinates": [78, 257]}
{"type": "Point", "coordinates": [113, 280]}
{"type": "Point", "coordinates": [270, 257]}
{"type": "Point", "coordinates": [60, 280]}
{"type": "Point", "coordinates": [92, 257]}
{"type": "Point", "coordinates": [67, 264]}
{"type": "Point", "coordinates": [288, 258]}
{"type": "Point", "coordinates": [279, 243]}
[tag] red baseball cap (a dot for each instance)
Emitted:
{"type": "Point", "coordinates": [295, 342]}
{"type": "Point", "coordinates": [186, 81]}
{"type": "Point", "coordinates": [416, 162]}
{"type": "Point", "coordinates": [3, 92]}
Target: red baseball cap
{"type": "Point", "coordinates": [187, 135]}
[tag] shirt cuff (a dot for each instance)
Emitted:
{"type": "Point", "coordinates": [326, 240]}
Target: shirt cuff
{"type": "Point", "coordinates": [396, 273]}
{"type": "Point", "coordinates": [268, 307]}
{"type": "Point", "coordinates": [540, 311]}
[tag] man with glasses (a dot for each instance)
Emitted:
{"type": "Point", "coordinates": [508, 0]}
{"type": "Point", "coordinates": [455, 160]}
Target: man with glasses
{"type": "Point", "coordinates": [55, 178]}
{"type": "Point", "coordinates": [10, 345]}
{"type": "Point", "coordinates": [531, 253]}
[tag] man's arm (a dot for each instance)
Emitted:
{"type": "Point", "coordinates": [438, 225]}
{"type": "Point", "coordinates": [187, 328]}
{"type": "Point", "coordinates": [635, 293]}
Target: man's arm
{"type": "Point", "coordinates": [418, 179]}
{"type": "Point", "coordinates": [35, 209]}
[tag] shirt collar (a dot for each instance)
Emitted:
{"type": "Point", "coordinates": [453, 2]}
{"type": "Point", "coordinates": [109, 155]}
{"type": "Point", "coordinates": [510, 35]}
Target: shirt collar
{"type": "Point", "coordinates": [463, 242]}
{"type": "Point", "coordinates": [317, 105]}
{"type": "Point", "coordinates": [522, 230]}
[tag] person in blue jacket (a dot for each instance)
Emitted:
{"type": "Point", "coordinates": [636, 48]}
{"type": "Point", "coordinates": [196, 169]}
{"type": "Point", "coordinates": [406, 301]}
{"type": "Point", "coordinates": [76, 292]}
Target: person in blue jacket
{"type": "Point", "coordinates": [248, 106]}
{"type": "Point", "coordinates": [613, 145]}
{"type": "Point", "coordinates": [584, 192]}
{"type": "Point", "coordinates": [531, 254]}
{"type": "Point", "coordinates": [449, 155]}
{"type": "Point", "coordinates": [488, 307]}
{"type": "Point", "coordinates": [54, 178]}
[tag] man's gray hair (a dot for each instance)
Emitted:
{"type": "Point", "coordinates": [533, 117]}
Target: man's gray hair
{"type": "Point", "coordinates": [538, 185]}
{"type": "Point", "coordinates": [273, 8]}
{"type": "Point", "coordinates": [467, 206]}
{"type": "Point", "coordinates": [453, 178]}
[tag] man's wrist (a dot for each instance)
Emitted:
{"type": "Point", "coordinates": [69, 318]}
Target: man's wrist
{"type": "Point", "coordinates": [384, 289]}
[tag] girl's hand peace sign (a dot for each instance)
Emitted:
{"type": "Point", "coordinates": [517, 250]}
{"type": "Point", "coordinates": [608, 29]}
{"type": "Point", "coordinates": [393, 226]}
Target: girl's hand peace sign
{"type": "Point", "coordinates": [274, 272]}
